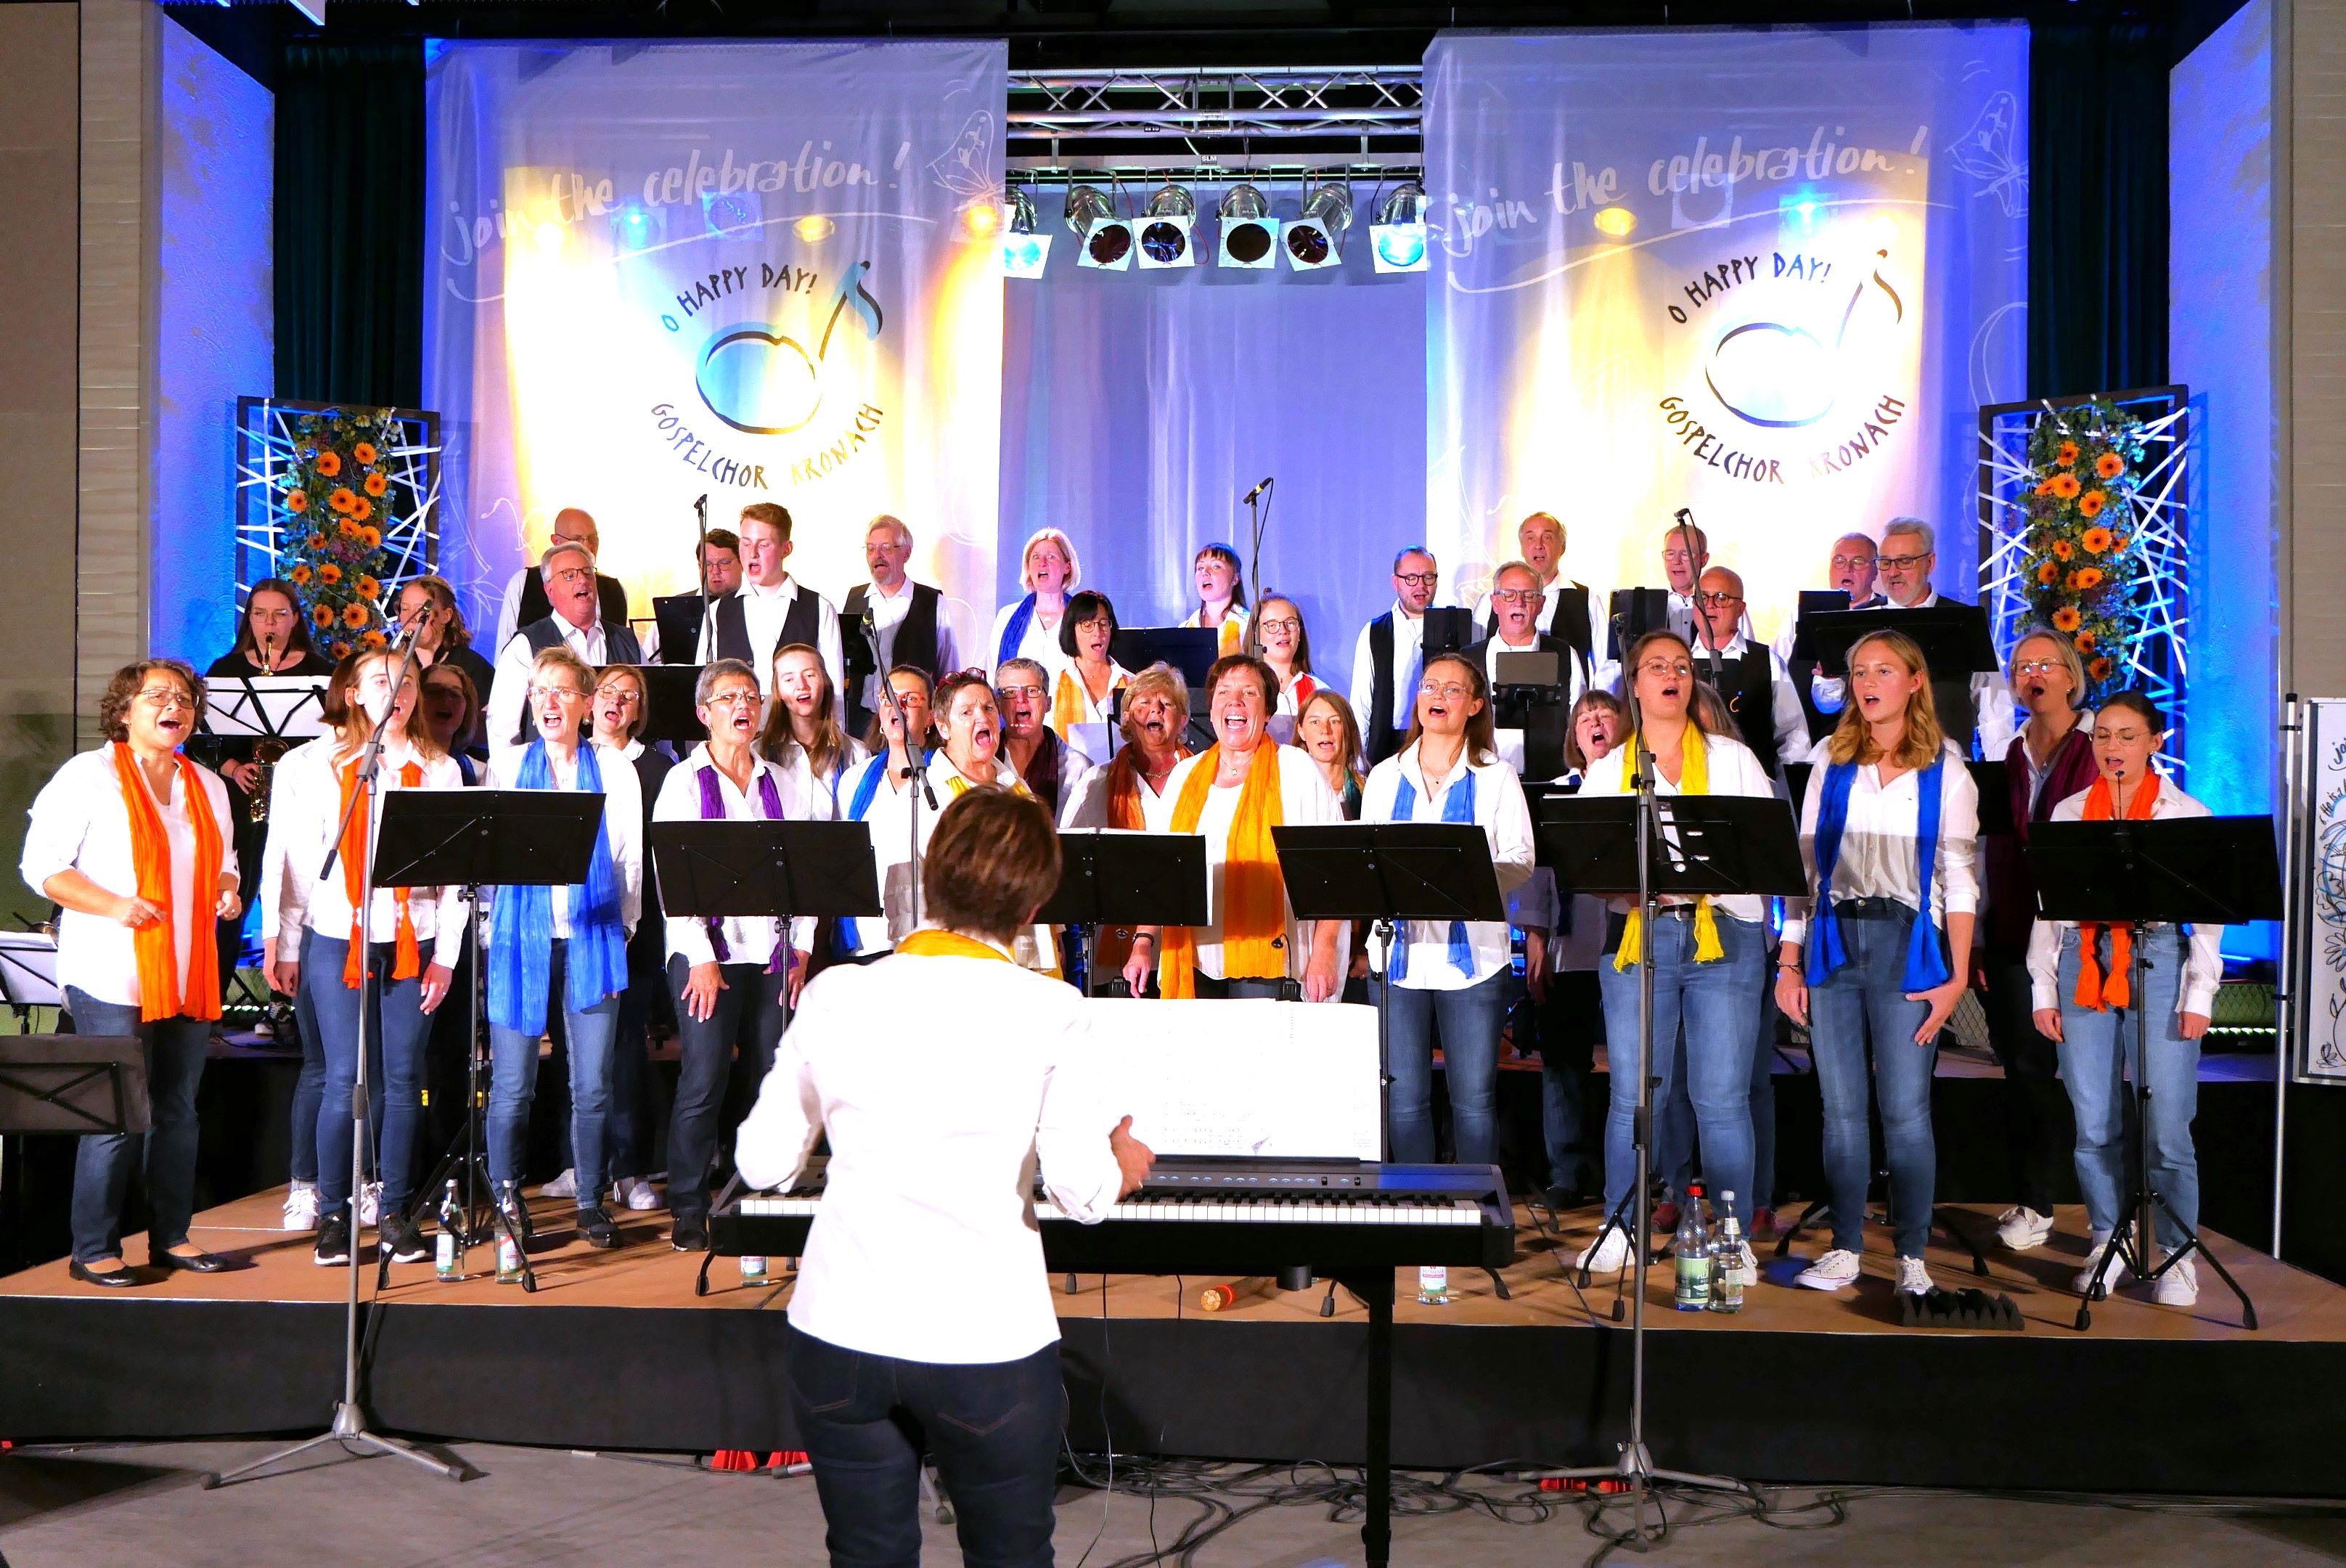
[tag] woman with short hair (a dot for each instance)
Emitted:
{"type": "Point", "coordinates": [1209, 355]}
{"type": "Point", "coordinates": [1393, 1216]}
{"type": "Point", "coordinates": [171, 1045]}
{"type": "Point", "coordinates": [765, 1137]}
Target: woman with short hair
{"type": "Point", "coordinates": [135, 841]}
{"type": "Point", "coordinates": [1029, 628]}
{"type": "Point", "coordinates": [622, 707]}
{"type": "Point", "coordinates": [972, 747]}
{"type": "Point", "coordinates": [1082, 698]}
{"type": "Point", "coordinates": [1156, 712]}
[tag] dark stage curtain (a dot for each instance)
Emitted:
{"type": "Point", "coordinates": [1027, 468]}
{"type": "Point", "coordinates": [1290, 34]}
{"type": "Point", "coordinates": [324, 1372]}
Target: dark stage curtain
{"type": "Point", "coordinates": [2096, 207]}
{"type": "Point", "coordinates": [349, 223]}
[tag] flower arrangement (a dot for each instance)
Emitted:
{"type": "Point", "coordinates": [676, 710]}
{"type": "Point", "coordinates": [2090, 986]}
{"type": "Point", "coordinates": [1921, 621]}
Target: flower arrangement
{"type": "Point", "coordinates": [2083, 562]}
{"type": "Point", "coordinates": [337, 500]}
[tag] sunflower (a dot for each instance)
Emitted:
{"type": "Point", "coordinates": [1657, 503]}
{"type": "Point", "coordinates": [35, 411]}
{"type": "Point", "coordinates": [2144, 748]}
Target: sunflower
{"type": "Point", "coordinates": [373, 639]}
{"type": "Point", "coordinates": [2066, 485]}
{"type": "Point", "coordinates": [364, 451]}
{"type": "Point", "coordinates": [297, 501]}
{"type": "Point", "coordinates": [371, 536]}
{"type": "Point", "coordinates": [2099, 669]}
{"type": "Point", "coordinates": [362, 509]}
{"type": "Point", "coordinates": [344, 499]}
{"type": "Point", "coordinates": [2097, 540]}
{"type": "Point", "coordinates": [2109, 465]}
{"type": "Point", "coordinates": [323, 615]}
{"type": "Point", "coordinates": [299, 575]}
{"type": "Point", "coordinates": [369, 588]}
{"type": "Point", "coordinates": [354, 614]}
{"type": "Point", "coordinates": [329, 464]}
{"type": "Point", "coordinates": [375, 484]}
{"type": "Point", "coordinates": [2091, 504]}
{"type": "Point", "coordinates": [2048, 573]}
{"type": "Point", "coordinates": [328, 573]}
{"type": "Point", "coordinates": [2085, 579]}
{"type": "Point", "coordinates": [2066, 618]}
{"type": "Point", "coordinates": [2062, 549]}
{"type": "Point", "coordinates": [2067, 455]}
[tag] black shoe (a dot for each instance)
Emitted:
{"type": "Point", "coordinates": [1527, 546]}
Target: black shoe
{"type": "Point", "coordinates": [689, 1234]}
{"type": "Point", "coordinates": [112, 1279]}
{"type": "Point", "coordinates": [595, 1225]}
{"type": "Point", "coordinates": [335, 1238]}
{"type": "Point", "coordinates": [401, 1241]}
{"type": "Point", "coordinates": [193, 1262]}
{"type": "Point", "coordinates": [1562, 1198]}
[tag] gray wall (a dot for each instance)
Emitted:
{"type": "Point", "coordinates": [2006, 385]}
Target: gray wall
{"type": "Point", "coordinates": [2310, 281]}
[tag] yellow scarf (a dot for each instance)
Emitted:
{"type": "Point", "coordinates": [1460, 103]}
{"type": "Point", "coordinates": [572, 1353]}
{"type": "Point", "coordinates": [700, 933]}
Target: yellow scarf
{"type": "Point", "coordinates": [931, 942]}
{"type": "Point", "coordinates": [1070, 698]}
{"type": "Point", "coordinates": [1694, 779]}
{"type": "Point", "coordinates": [1254, 895]}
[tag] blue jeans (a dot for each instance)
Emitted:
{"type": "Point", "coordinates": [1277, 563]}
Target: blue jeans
{"type": "Point", "coordinates": [1763, 1089]}
{"type": "Point", "coordinates": [1469, 1021]}
{"type": "Point", "coordinates": [512, 1082]}
{"type": "Point", "coordinates": [310, 1086]}
{"type": "Point", "coordinates": [628, 1131]}
{"type": "Point", "coordinates": [1867, 996]}
{"type": "Point", "coordinates": [993, 1428]}
{"type": "Point", "coordinates": [1714, 1003]}
{"type": "Point", "coordinates": [1570, 1021]}
{"type": "Point", "coordinates": [2097, 1054]}
{"type": "Point", "coordinates": [401, 1027]}
{"type": "Point", "coordinates": [174, 1050]}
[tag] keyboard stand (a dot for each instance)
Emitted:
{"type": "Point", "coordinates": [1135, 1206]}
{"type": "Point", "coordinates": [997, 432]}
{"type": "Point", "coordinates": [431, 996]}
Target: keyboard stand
{"type": "Point", "coordinates": [1375, 1290]}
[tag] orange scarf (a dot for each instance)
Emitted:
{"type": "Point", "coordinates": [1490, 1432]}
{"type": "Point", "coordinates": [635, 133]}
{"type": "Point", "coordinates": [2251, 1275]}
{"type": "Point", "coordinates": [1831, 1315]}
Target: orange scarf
{"type": "Point", "coordinates": [150, 857]}
{"type": "Point", "coordinates": [2096, 990]}
{"type": "Point", "coordinates": [1071, 698]}
{"type": "Point", "coordinates": [1254, 895]}
{"type": "Point", "coordinates": [408, 962]}
{"type": "Point", "coordinates": [1124, 807]}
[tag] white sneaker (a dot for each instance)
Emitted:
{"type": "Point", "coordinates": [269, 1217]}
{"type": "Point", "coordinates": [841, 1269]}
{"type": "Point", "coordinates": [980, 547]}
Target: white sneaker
{"type": "Point", "coordinates": [371, 1203]}
{"type": "Point", "coordinates": [1839, 1268]}
{"type": "Point", "coordinates": [1746, 1267]}
{"type": "Point", "coordinates": [2119, 1273]}
{"type": "Point", "coordinates": [564, 1186]}
{"type": "Point", "coordinates": [637, 1194]}
{"type": "Point", "coordinates": [300, 1206]}
{"type": "Point", "coordinates": [2179, 1285]}
{"type": "Point", "coordinates": [1913, 1277]}
{"type": "Point", "coordinates": [2022, 1230]}
{"type": "Point", "coordinates": [1609, 1257]}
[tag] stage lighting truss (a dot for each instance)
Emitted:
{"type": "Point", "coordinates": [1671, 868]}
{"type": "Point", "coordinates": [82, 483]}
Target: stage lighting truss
{"type": "Point", "coordinates": [1211, 115]}
{"type": "Point", "coordinates": [1024, 250]}
{"type": "Point", "coordinates": [1165, 226]}
{"type": "Point", "coordinates": [1250, 233]}
{"type": "Point", "coordinates": [1316, 239]}
{"type": "Point", "coordinates": [1397, 239]}
{"type": "Point", "coordinates": [1105, 239]}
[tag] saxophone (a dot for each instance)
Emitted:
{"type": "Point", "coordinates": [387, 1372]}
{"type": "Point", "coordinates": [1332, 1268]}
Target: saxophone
{"type": "Point", "coordinates": [265, 755]}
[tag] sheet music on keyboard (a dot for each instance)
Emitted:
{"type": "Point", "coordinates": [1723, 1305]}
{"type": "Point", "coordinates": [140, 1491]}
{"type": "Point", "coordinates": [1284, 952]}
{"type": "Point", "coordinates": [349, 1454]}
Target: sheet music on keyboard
{"type": "Point", "coordinates": [1291, 1080]}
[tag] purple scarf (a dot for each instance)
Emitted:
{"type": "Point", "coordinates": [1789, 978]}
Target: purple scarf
{"type": "Point", "coordinates": [712, 810]}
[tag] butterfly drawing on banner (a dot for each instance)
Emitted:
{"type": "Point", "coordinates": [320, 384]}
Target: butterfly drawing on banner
{"type": "Point", "coordinates": [762, 381]}
{"type": "Point", "coordinates": [1987, 153]}
{"type": "Point", "coordinates": [961, 167]}
{"type": "Point", "coordinates": [1780, 375]}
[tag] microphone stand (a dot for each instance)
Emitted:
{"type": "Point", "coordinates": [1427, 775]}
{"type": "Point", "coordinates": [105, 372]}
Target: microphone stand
{"type": "Point", "coordinates": [349, 1430]}
{"type": "Point", "coordinates": [916, 772]}
{"type": "Point", "coordinates": [1258, 502]}
{"type": "Point", "coordinates": [701, 576]}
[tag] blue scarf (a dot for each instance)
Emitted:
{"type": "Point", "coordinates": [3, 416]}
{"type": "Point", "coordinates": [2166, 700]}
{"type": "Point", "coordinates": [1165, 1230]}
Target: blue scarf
{"type": "Point", "coordinates": [1457, 806]}
{"type": "Point", "coordinates": [1926, 961]}
{"type": "Point", "coordinates": [1014, 630]}
{"type": "Point", "coordinates": [867, 788]}
{"type": "Point", "coordinates": [521, 928]}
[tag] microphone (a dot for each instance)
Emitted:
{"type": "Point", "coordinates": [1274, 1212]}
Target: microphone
{"type": "Point", "coordinates": [1685, 515]}
{"type": "Point", "coordinates": [1257, 491]}
{"type": "Point", "coordinates": [701, 506]}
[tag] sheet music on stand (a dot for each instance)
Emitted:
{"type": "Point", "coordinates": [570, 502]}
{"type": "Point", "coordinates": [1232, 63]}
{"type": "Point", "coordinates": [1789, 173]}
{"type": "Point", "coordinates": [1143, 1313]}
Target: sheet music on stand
{"type": "Point", "coordinates": [266, 706]}
{"type": "Point", "coordinates": [1257, 1080]}
{"type": "Point", "coordinates": [28, 971]}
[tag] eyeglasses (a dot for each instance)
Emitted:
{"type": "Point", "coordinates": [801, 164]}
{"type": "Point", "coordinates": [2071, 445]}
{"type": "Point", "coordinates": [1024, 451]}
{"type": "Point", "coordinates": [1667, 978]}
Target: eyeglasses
{"type": "Point", "coordinates": [1035, 692]}
{"type": "Point", "coordinates": [733, 698]}
{"type": "Point", "coordinates": [1903, 562]}
{"type": "Point", "coordinates": [1718, 598]}
{"type": "Point", "coordinates": [1418, 579]}
{"type": "Point", "coordinates": [163, 698]}
{"type": "Point", "coordinates": [570, 574]}
{"type": "Point", "coordinates": [1280, 625]}
{"type": "Point", "coordinates": [2038, 667]}
{"type": "Point", "coordinates": [567, 693]}
{"type": "Point", "coordinates": [1666, 668]}
{"type": "Point", "coordinates": [1517, 595]}
{"type": "Point", "coordinates": [625, 695]}
{"type": "Point", "coordinates": [1843, 562]}
{"type": "Point", "coordinates": [1450, 690]}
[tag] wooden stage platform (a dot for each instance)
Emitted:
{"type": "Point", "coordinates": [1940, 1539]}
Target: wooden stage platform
{"type": "Point", "coordinates": [614, 1350]}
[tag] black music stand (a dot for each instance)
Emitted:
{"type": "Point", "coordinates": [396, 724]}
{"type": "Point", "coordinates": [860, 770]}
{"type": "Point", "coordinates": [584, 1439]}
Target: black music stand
{"type": "Point", "coordinates": [677, 616]}
{"type": "Point", "coordinates": [474, 839]}
{"type": "Point", "coordinates": [72, 1084]}
{"type": "Point", "coordinates": [710, 870]}
{"type": "Point", "coordinates": [28, 974]}
{"type": "Point", "coordinates": [1813, 601]}
{"type": "Point", "coordinates": [2188, 870]}
{"type": "Point", "coordinates": [1634, 612]}
{"type": "Point", "coordinates": [1530, 694]}
{"type": "Point", "coordinates": [1192, 650]}
{"type": "Point", "coordinates": [669, 714]}
{"type": "Point", "coordinates": [1954, 638]}
{"type": "Point", "coordinates": [1110, 878]}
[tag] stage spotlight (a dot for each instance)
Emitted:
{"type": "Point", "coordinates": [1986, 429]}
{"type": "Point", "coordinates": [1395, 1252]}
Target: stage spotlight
{"type": "Point", "coordinates": [1316, 239]}
{"type": "Point", "coordinates": [1250, 233]}
{"type": "Point", "coordinates": [1615, 221]}
{"type": "Point", "coordinates": [1024, 251]}
{"type": "Point", "coordinates": [733, 213]}
{"type": "Point", "coordinates": [1798, 210]}
{"type": "Point", "coordinates": [1397, 239]}
{"type": "Point", "coordinates": [814, 227]}
{"type": "Point", "coordinates": [1107, 238]}
{"type": "Point", "coordinates": [636, 228]}
{"type": "Point", "coordinates": [1165, 229]}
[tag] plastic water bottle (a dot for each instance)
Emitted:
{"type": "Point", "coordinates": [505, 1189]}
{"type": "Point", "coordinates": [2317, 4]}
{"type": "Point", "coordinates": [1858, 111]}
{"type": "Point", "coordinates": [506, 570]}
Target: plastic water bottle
{"type": "Point", "coordinates": [448, 1251]}
{"type": "Point", "coordinates": [1434, 1286]}
{"type": "Point", "coordinates": [1726, 1259]}
{"type": "Point", "coordinates": [753, 1269]}
{"type": "Point", "coordinates": [508, 1241]}
{"type": "Point", "coordinates": [1691, 1250]}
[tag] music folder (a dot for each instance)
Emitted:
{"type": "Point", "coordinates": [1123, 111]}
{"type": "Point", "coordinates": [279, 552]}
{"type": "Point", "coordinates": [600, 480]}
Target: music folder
{"type": "Point", "coordinates": [486, 837]}
{"type": "Point", "coordinates": [2179, 870]}
{"type": "Point", "coordinates": [1126, 879]}
{"type": "Point", "coordinates": [1813, 601]}
{"type": "Point", "coordinates": [1390, 871]}
{"type": "Point", "coordinates": [712, 871]}
{"type": "Point", "coordinates": [1954, 638]}
{"type": "Point", "coordinates": [1715, 844]}
{"type": "Point", "coordinates": [669, 714]}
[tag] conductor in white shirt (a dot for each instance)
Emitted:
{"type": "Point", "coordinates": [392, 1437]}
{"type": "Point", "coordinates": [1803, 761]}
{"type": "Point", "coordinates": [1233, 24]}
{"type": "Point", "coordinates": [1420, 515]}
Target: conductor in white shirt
{"type": "Point", "coordinates": [931, 1142]}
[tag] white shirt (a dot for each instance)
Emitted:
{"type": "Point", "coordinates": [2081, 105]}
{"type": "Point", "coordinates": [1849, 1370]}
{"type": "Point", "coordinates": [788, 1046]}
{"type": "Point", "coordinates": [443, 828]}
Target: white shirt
{"type": "Point", "coordinates": [1580, 944]}
{"type": "Point", "coordinates": [895, 856]}
{"type": "Point", "coordinates": [1826, 691]}
{"type": "Point", "coordinates": [1093, 729]}
{"type": "Point", "coordinates": [622, 824]}
{"type": "Point", "coordinates": [305, 811]}
{"type": "Point", "coordinates": [1507, 741]}
{"type": "Point", "coordinates": [2203, 966]}
{"type": "Point", "coordinates": [1040, 643]}
{"type": "Point", "coordinates": [887, 613]}
{"type": "Point", "coordinates": [1878, 841]}
{"type": "Point", "coordinates": [749, 939]}
{"type": "Point", "coordinates": [1506, 822]}
{"type": "Point", "coordinates": [1789, 723]}
{"type": "Point", "coordinates": [1230, 623]}
{"type": "Point", "coordinates": [80, 822]}
{"type": "Point", "coordinates": [509, 607]}
{"type": "Point", "coordinates": [1304, 799]}
{"type": "Point", "coordinates": [764, 609]}
{"type": "Point", "coordinates": [1086, 806]}
{"type": "Point", "coordinates": [509, 695]}
{"type": "Point", "coordinates": [1408, 639]}
{"type": "Point", "coordinates": [808, 799]}
{"type": "Point", "coordinates": [1732, 770]}
{"type": "Point", "coordinates": [934, 1145]}
{"type": "Point", "coordinates": [1551, 600]}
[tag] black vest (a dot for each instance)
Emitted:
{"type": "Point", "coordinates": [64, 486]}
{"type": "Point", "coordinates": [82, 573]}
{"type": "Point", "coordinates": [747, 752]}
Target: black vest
{"type": "Point", "coordinates": [1381, 740]}
{"type": "Point", "coordinates": [610, 600]}
{"type": "Point", "coordinates": [802, 625]}
{"type": "Point", "coordinates": [1570, 620]}
{"type": "Point", "coordinates": [619, 647]}
{"type": "Point", "coordinates": [915, 644]}
{"type": "Point", "coordinates": [1748, 682]}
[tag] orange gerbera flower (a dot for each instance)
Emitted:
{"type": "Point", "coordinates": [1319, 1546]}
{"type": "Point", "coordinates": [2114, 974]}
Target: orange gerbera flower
{"type": "Point", "coordinates": [330, 574]}
{"type": "Point", "coordinates": [343, 500]}
{"type": "Point", "coordinates": [299, 574]}
{"type": "Point", "coordinates": [368, 588]}
{"type": "Point", "coordinates": [364, 451]}
{"type": "Point", "coordinates": [329, 464]}
{"type": "Point", "coordinates": [297, 501]}
{"type": "Point", "coordinates": [375, 484]}
{"type": "Point", "coordinates": [2099, 669]}
{"type": "Point", "coordinates": [2068, 453]}
{"type": "Point", "coordinates": [2062, 549]}
{"type": "Point", "coordinates": [323, 615]}
{"type": "Point", "coordinates": [373, 639]}
{"type": "Point", "coordinates": [2045, 488]}
{"type": "Point", "coordinates": [2085, 639]}
{"type": "Point", "coordinates": [371, 536]}
{"type": "Point", "coordinates": [2097, 540]}
{"type": "Point", "coordinates": [2109, 465]}
{"type": "Point", "coordinates": [341, 649]}
{"type": "Point", "coordinates": [2091, 504]}
{"type": "Point", "coordinates": [347, 529]}
{"type": "Point", "coordinates": [362, 509]}
{"type": "Point", "coordinates": [316, 542]}
{"type": "Point", "coordinates": [2085, 579]}
{"type": "Point", "coordinates": [2066, 485]}
{"type": "Point", "coordinates": [2066, 618]}
{"type": "Point", "coordinates": [354, 614]}
{"type": "Point", "coordinates": [2048, 573]}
